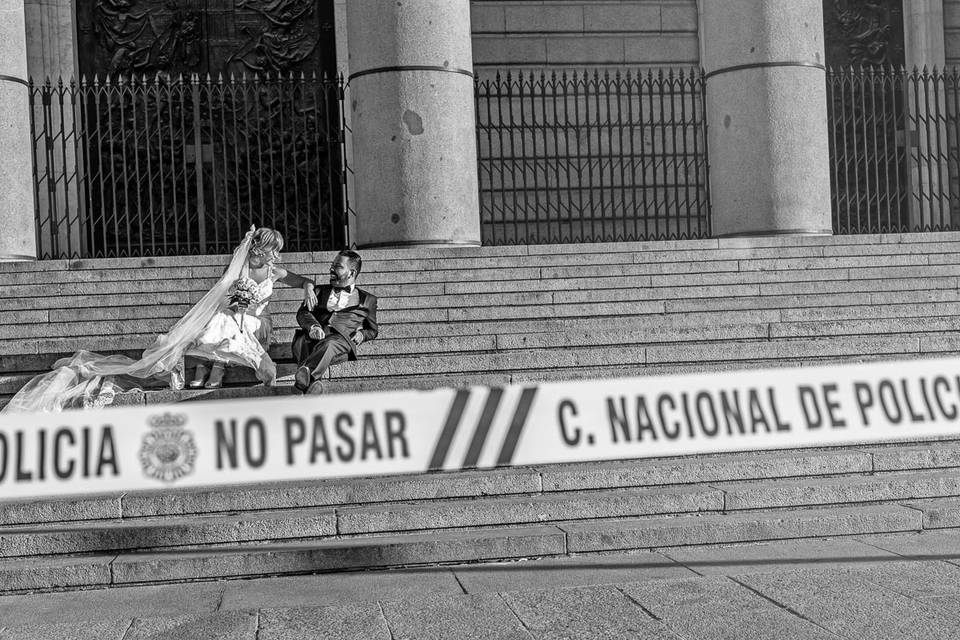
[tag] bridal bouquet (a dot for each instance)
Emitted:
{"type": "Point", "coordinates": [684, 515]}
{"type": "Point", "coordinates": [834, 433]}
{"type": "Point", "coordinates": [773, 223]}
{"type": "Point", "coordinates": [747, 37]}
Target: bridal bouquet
{"type": "Point", "coordinates": [243, 294]}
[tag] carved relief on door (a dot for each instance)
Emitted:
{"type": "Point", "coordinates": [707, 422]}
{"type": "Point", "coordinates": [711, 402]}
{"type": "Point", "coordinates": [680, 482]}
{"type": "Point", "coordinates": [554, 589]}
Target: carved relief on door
{"type": "Point", "coordinates": [206, 36]}
{"type": "Point", "coordinates": [867, 119]}
{"type": "Point", "coordinates": [863, 32]}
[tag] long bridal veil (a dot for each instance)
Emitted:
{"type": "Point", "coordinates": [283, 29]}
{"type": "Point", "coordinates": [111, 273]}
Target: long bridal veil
{"type": "Point", "coordinates": [88, 379]}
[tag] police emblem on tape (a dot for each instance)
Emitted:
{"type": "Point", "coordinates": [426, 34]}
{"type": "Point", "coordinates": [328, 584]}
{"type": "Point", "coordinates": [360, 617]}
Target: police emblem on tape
{"type": "Point", "coordinates": [168, 451]}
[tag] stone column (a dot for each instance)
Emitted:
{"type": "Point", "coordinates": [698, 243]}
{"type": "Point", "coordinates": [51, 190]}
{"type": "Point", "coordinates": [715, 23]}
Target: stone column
{"type": "Point", "coordinates": [414, 131]}
{"type": "Point", "coordinates": [52, 54]}
{"type": "Point", "coordinates": [766, 116]}
{"type": "Point", "coordinates": [18, 236]}
{"type": "Point", "coordinates": [925, 47]}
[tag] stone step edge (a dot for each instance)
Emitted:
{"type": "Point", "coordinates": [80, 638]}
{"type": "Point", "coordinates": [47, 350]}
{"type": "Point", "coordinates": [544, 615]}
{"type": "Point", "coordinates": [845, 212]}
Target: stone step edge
{"type": "Point", "coordinates": [418, 549]}
{"type": "Point", "coordinates": [682, 341]}
{"type": "Point", "coordinates": [676, 303]}
{"type": "Point", "coordinates": [269, 526]}
{"type": "Point", "coordinates": [862, 463]}
{"type": "Point", "coordinates": [891, 242]}
{"type": "Point", "coordinates": [341, 383]}
{"type": "Point", "coordinates": [644, 312]}
{"type": "Point", "coordinates": [865, 459]}
{"type": "Point", "coordinates": [505, 482]}
{"type": "Point", "coordinates": [784, 277]}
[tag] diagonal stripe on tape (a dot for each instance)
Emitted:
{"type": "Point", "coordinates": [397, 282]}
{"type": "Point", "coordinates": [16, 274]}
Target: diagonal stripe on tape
{"type": "Point", "coordinates": [449, 429]}
{"type": "Point", "coordinates": [483, 427]}
{"type": "Point", "coordinates": [516, 426]}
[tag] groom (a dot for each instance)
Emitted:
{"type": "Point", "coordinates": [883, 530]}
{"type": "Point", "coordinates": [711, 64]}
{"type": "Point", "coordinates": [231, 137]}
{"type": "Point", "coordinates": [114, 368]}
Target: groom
{"type": "Point", "coordinates": [344, 318]}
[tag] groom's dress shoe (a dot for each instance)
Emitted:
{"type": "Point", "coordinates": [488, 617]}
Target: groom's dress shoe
{"type": "Point", "coordinates": [301, 379]}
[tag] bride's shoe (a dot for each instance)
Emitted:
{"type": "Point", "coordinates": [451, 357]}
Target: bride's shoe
{"type": "Point", "coordinates": [216, 377]}
{"type": "Point", "coordinates": [199, 376]}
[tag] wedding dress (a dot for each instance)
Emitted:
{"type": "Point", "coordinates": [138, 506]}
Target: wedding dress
{"type": "Point", "coordinates": [241, 338]}
{"type": "Point", "coordinates": [88, 379]}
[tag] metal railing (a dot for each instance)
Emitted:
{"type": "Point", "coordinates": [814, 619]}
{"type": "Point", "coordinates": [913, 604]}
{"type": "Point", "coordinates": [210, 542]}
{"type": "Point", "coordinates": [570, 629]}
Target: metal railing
{"type": "Point", "coordinates": [894, 145]}
{"type": "Point", "coordinates": [140, 166]}
{"type": "Point", "coordinates": [591, 157]}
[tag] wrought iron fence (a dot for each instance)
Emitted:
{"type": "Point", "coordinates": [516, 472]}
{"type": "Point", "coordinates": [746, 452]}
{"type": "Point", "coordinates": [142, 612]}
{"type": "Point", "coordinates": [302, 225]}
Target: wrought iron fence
{"type": "Point", "coordinates": [894, 149]}
{"type": "Point", "coordinates": [590, 157]}
{"type": "Point", "coordinates": [139, 166]}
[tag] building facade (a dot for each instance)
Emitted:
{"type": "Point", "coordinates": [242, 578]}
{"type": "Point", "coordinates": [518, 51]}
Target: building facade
{"type": "Point", "coordinates": [412, 69]}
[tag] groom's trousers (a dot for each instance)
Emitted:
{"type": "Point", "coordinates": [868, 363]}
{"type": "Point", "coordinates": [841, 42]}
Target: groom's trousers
{"type": "Point", "coordinates": [318, 355]}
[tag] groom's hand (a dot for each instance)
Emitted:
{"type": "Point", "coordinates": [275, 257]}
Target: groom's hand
{"type": "Point", "coordinates": [316, 332]}
{"type": "Point", "coordinates": [309, 297]}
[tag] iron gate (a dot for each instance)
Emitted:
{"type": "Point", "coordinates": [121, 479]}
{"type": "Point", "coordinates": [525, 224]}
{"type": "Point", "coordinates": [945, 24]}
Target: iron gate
{"type": "Point", "coordinates": [136, 166]}
{"type": "Point", "coordinates": [587, 157]}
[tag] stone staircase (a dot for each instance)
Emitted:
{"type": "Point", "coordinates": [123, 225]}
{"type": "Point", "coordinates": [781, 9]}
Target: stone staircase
{"type": "Point", "coordinates": [470, 516]}
{"type": "Point", "coordinates": [496, 316]}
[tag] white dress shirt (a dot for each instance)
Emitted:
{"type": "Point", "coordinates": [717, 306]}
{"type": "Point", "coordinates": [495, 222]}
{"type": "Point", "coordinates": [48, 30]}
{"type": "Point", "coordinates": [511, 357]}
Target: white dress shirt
{"type": "Point", "coordinates": [340, 300]}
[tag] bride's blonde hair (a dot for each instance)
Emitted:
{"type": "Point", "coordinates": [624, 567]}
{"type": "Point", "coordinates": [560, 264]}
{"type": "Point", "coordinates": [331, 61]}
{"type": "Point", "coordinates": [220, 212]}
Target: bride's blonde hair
{"type": "Point", "coordinates": [265, 241]}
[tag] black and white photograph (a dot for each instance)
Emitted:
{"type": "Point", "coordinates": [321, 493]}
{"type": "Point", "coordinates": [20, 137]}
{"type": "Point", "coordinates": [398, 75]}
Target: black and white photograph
{"type": "Point", "coordinates": [479, 319]}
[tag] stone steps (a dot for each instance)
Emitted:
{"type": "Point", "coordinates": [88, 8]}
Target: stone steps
{"type": "Point", "coordinates": [500, 514]}
{"type": "Point", "coordinates": [779, 300]}
{"type": "Point", "coordinates": [473, 293]}
{"type": "Point", "coordinates": [477, 515]}
{"type": "Point", "coordinates": [36, 338]}
{"type": "Point", "coordinates": [497, 316]}
{"type": "Point", "coordinates": [111, 286]}
{"type": "Point", "coordinates": [673, 298]}
{"type": "Point", "coordinates": [924, 490]}
{"type": "Point", "coordinates": [523, 355]}
{"type": "Point", "coordinates": [452, 546]}
{"type": "Point", "coordinates": [503, 482]}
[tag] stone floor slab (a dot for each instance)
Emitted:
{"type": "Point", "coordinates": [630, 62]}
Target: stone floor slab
{"type": "Point", "coordinates": [26, 574]}
{"type": "Point", "coordinates": [915, 578]}
{"type": "Point", "coordinates": [104, 604]}
{"type": "Point", "coordinates": [465, 617]}
{"type": "Point", "coordinates": [584, 613]}
{"type": "Point", "coordinates": [337, 588]}
{"type": "Point", "coordinates": [338, 555]}
{"type": "Point", "coordinates": [610, 535]}
{"type": "Point", "coordinates": [234, 625]}
{"type": "Point", "coordinates": [926, 545]}
{"type": "Point", "coordinates": [938, 513]}
{"type": "Point", "coordinates": [950, 604]}
{"type": "Point", "coordinates": [344, 622]}
{"type": "Point", "coordinates": [110, 630]}
{"type": "Point", "coordinates": [851, 606]}
{"type": "Point", "coordinates": [717, 607]}
{"type": "Point", "coordinates": [555, 573]}
{"type": "Point", "coordinates": [779, 555]}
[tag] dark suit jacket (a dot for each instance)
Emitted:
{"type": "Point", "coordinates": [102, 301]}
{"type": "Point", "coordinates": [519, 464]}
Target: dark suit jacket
{"type": "Point", "coordinates": [360, 317]}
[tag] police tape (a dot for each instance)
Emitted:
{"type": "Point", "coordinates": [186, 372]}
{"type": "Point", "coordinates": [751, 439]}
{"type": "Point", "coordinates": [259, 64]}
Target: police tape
{"type": "Point", "coordinates": [367, 434]}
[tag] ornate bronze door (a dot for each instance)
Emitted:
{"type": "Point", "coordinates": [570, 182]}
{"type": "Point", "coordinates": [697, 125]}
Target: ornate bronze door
{"type": "Point", "coordinates": [206, 36]}
{"type": "Point", "coordinates": [867, 33]}
{"type": "Point", "coordinates": [866, 103]}
{"type": "Point", "coordinates": [207, 116]}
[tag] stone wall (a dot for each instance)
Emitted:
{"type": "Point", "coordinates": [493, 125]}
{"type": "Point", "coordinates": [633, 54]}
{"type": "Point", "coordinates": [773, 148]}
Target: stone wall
{"type": "Point", "coordinates": [50, 38]}
{"type": "Point", "coordinates": [600, 155]}
{"type": "Point", "coordinates": [951, 31]}
{"type": "Point", "coordinates": [556, 35]}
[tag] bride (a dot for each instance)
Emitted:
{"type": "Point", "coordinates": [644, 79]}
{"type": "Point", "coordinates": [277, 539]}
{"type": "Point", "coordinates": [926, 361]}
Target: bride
{"type": "Point", "coordinates": [227, 325]}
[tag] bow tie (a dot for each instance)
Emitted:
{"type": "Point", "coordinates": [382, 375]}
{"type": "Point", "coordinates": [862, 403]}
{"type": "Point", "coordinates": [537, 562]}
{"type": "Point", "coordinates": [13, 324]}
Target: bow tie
{"type": "Point", "coordinates": [339, 289]}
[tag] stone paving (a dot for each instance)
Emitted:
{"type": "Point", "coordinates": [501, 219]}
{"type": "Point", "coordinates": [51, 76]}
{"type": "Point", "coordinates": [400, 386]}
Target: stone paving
{"type": "Point", "coordinates": [887, 586]}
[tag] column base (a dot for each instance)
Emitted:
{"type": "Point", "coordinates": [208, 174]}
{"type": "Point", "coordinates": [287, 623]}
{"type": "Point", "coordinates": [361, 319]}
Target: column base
{"type": "Point", "coordinates": [777, 232]}
{"type": "Point", "coordinates": [399, 244]}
